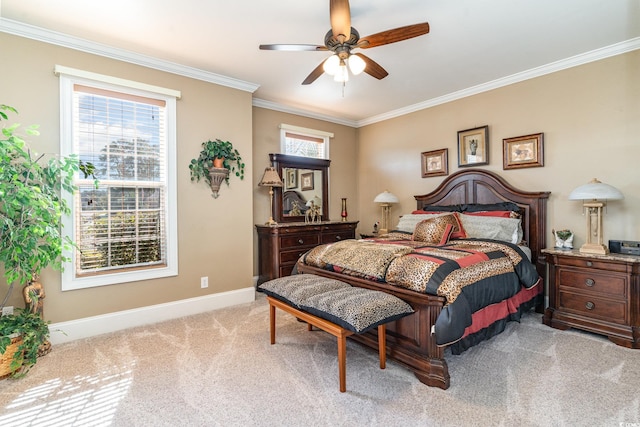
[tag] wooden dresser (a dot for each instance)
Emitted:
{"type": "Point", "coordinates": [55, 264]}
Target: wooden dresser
{"type": "Point", "coordinates": [280, 245]}
{"type": "Point", "coordinates": [596, 293]}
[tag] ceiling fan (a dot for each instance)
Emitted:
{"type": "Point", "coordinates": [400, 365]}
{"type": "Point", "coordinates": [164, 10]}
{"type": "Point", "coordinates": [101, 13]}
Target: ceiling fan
{"type": "Point", "coordinates": [342, 38]}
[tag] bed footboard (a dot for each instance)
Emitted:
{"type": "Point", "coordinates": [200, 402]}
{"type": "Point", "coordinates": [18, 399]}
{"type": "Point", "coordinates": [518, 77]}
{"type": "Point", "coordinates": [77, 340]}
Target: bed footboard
{"type": "Point", "coordinates": [409, 340]}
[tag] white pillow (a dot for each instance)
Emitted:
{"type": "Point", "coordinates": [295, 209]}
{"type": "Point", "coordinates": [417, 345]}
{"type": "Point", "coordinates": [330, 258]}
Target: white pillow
{"type": "Point", "coordinates": [408, 222]}
{"type": "Point", "coordinates": [491, 227]}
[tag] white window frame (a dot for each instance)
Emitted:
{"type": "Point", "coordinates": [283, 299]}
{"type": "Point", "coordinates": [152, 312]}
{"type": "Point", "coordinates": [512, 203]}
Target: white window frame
{"type": "Point", "coordinates": [313, 133]}
{"type": "Point", "coordinates": [68, 78]}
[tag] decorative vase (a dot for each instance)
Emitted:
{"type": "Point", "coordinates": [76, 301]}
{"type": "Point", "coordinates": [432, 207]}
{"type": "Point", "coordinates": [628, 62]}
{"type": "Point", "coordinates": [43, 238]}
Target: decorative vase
{"type": "Point", "coordinates": [344, 209]}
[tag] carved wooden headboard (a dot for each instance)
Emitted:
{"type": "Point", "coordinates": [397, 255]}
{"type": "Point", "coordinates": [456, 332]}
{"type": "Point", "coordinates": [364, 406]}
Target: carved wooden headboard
{"type": "Point", "coordinates": [480, 186]}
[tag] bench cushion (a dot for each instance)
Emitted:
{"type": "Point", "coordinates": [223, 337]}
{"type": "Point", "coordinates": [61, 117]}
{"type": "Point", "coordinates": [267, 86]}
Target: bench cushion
{"type": "Point", "coordinates": [356, 309]}
{"type": "Point", "coordinates": [297, 288]}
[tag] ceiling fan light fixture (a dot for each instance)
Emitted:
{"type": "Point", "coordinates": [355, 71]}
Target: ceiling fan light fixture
{"type": "Point", "coordinates": [356, 64]}
{"type": "Point", "coordinates": [342, 75]}
{"type": "Point", "coordinates": [331, 65]}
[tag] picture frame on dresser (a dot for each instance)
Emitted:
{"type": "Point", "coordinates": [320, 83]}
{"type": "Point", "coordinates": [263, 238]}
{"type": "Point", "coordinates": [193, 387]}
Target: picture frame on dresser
{"type": "Point", "coordinates": [473, 146]}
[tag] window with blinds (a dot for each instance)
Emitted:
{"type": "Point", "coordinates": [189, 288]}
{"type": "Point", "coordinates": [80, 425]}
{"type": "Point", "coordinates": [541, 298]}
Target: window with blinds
{"type": "Point", "coordinates": [304, 142]}
{"type": "Point", "coordinates": [122, 226]}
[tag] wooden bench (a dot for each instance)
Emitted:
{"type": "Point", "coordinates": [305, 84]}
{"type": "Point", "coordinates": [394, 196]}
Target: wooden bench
{"type": "Point", "coordinates": [336, 308]}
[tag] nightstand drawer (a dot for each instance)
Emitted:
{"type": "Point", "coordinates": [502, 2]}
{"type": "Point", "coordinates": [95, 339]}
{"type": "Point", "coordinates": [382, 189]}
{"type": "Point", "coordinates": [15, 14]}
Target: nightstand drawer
{"type": "Point", "coordinates": [609, 310]}
{"type": "Point", "coordinates": [591, 280]}
{"type": "Point", "coordinates": [593, 263]}
{"type": "Point", "coordinates": [300, 240]}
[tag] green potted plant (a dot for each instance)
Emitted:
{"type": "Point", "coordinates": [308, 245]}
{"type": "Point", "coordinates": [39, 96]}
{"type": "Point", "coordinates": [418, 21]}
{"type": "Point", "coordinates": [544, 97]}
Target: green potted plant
{"type": "Point", "coordinates": [214, 156]}
{"type": "Point", "coordinates": [21, 335]}
{"type": "Point", "coordinates": [31, 210]}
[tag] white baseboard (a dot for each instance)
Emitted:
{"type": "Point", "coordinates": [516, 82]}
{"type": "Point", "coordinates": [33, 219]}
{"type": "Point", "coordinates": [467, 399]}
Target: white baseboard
{"type": "Point", "coordinates": [97, 325]}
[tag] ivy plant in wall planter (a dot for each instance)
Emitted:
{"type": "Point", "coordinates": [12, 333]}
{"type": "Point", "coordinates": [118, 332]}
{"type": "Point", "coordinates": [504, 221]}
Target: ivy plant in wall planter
{"type": "Point", "coordinates": [217, 160]}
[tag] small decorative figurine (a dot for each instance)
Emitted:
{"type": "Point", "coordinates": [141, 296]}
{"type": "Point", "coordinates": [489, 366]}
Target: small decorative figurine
{"type": "Point", "coordinates": [564, 239]}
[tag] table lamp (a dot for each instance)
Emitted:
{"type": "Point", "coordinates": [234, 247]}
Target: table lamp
{"type": "Point", "coordinates": [594, 196]}
{"type": "Point", "coordinates": [385, 199]}
{"type": "Point", "coordinates": [270, 179]}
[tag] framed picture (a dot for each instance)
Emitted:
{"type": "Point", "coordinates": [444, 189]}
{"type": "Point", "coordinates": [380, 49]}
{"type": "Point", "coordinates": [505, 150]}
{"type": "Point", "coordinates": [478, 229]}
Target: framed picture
{"type": "Point", "coordinates": [435, 163]}
{"type": "Point", "coordinates": [523, 151]}
{"type": "Point", "coordinates": [306, 181]}
{"type": "Point", "coordinates": [473, 146]}
{"type": "Point", "coordinates": [291, 179]}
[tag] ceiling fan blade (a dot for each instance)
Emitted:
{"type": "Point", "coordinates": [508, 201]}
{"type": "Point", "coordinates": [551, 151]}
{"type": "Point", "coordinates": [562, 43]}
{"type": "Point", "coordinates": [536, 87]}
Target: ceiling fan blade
{"type": "Point", "coordinates": [292, 47]}
{"type": "Point", "coordinates": [393, 36]}
{"type": "Point", "coordinates": [373, 68]}
{"type": "Point", "coordinates": [317, 72]}
{"type": "Point", "coordinates": [340, 16]}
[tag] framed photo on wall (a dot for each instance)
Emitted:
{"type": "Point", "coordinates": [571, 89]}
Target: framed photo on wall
{"type": "Point", "coordinates": [473, 146]}
{"type": "Point", "coordinates": [435, 163]}
{"type": "Point", "coordinates": [523, 151]}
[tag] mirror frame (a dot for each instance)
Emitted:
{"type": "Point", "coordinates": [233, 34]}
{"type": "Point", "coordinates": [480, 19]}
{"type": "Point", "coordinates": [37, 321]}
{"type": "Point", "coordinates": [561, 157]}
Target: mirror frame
{"type": "Point", "coordinates": [284, 161]}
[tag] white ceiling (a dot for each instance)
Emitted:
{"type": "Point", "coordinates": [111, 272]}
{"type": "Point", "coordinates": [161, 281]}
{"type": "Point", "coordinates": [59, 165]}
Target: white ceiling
{"type": "Point", "coordinates": [473, 45]}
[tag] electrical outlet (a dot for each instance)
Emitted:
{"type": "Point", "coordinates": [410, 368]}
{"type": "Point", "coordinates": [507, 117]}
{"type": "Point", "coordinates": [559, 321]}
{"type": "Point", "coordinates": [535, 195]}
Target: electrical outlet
{"type": "Point", "coordinates": [204, 282]}
{"type": "Point", "coordinates": [6, 311]}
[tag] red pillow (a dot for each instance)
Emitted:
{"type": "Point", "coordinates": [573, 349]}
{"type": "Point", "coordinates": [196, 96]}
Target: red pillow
{"type": "Point", "coordinates": [499, 214]}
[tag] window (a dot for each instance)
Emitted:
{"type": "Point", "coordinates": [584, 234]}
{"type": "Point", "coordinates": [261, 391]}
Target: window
{"type": "Point", "coordinates": [125, 229]}
{"type": "Point", "coordinates": [297, 141]}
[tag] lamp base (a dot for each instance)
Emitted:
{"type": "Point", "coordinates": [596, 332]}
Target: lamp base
{"type": "Point", "coordinates": [594, 248]}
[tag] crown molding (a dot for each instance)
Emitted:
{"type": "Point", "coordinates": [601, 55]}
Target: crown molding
{"type": "Point", "coordinates": [56, 38]}
{"type": "Point", "coordinates": [257, 102]}
{"type": "Point", "coordinates": [573, 61]}
{"type": "Point", "coordinates": [53, 37]}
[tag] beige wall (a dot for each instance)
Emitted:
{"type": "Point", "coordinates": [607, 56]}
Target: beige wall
{"type": "Point", "coordinates": [342, 171]}
{"type": "Point", "coordinates": [210, 231]}
{"type": "Point", "coordinates": [590, 116]}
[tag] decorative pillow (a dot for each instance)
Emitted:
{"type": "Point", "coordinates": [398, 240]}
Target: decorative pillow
{"type": "Point", "coordinates": [297, 288]}
{"type": "Point", "coordinates": [501, 214]}
{"type": "Point", "coordinates": [489, 227]}
{"type": "Point", "coordinates": [373, 308]}
{"type": "Point", "coordinates": [408, 222]}
{"type": "Point", "coordinates": [443, 208]}
{"type": "Point", "coordinates": [501, 206]}
{"type": "Point", "coordinates": [435, 231]}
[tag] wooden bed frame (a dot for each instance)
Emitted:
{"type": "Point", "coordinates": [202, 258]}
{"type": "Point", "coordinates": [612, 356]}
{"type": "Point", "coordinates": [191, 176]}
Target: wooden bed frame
{"type": "Point", "coordinates": [409, 340]}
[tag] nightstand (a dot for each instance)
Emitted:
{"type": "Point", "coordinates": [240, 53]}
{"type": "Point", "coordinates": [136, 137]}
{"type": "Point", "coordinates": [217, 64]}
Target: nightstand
{"type": "Point", "coordinates": [595, 293]}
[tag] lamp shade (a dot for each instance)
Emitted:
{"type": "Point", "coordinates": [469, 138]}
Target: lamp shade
{"type": "Point", "coordinates": [270, 178]}
{"type": "Point", "coordinates": [596, 190]}
{"type": "Point", "coordinates": [386, 197]}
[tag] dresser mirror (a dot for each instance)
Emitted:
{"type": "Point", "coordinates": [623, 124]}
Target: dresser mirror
{"type": "Point", "coordinates": [305, 184]}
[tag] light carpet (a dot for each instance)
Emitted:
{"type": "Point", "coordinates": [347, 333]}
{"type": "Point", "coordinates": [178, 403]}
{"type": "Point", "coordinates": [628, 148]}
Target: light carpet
{"type": "Point", "coordinates": [218, 369]}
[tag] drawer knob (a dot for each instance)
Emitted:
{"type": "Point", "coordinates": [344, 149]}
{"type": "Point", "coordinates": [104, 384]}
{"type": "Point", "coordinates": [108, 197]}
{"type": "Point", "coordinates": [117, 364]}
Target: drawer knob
{"type": "Point", "coordinates": [589, 305]}
{"type": "Point", "coordinates": [301, 241]}
{"type": "Point", "coordinates": [589, 282]}
{"type": "Point", "coordinates": [589, 264]}
{"type": "Point", "coordinates": [338, 237]}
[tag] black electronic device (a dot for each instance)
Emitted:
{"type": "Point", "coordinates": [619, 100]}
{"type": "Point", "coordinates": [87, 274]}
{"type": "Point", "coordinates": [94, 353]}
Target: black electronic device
{"type": "Point", "coordinates": [628, 247]}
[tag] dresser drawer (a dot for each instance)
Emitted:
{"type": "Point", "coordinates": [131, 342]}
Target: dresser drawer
{"type": "Point", "coordinates": [592, 280]}
{"type": "Point", "coordinates": [336, 237]}
{"type": "Point", "coordinates": [301, 240]}
{"type": "Point", "coordinates": [609, 310]}
{"type": "Point", "coordinates": [292, 256]}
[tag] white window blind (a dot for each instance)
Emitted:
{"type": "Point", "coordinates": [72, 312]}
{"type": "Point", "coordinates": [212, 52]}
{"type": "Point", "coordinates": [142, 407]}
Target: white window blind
{"type": "Point", "coordinates": [297, 141]}
{"type": "Point", "coordinates": [124, 228]}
